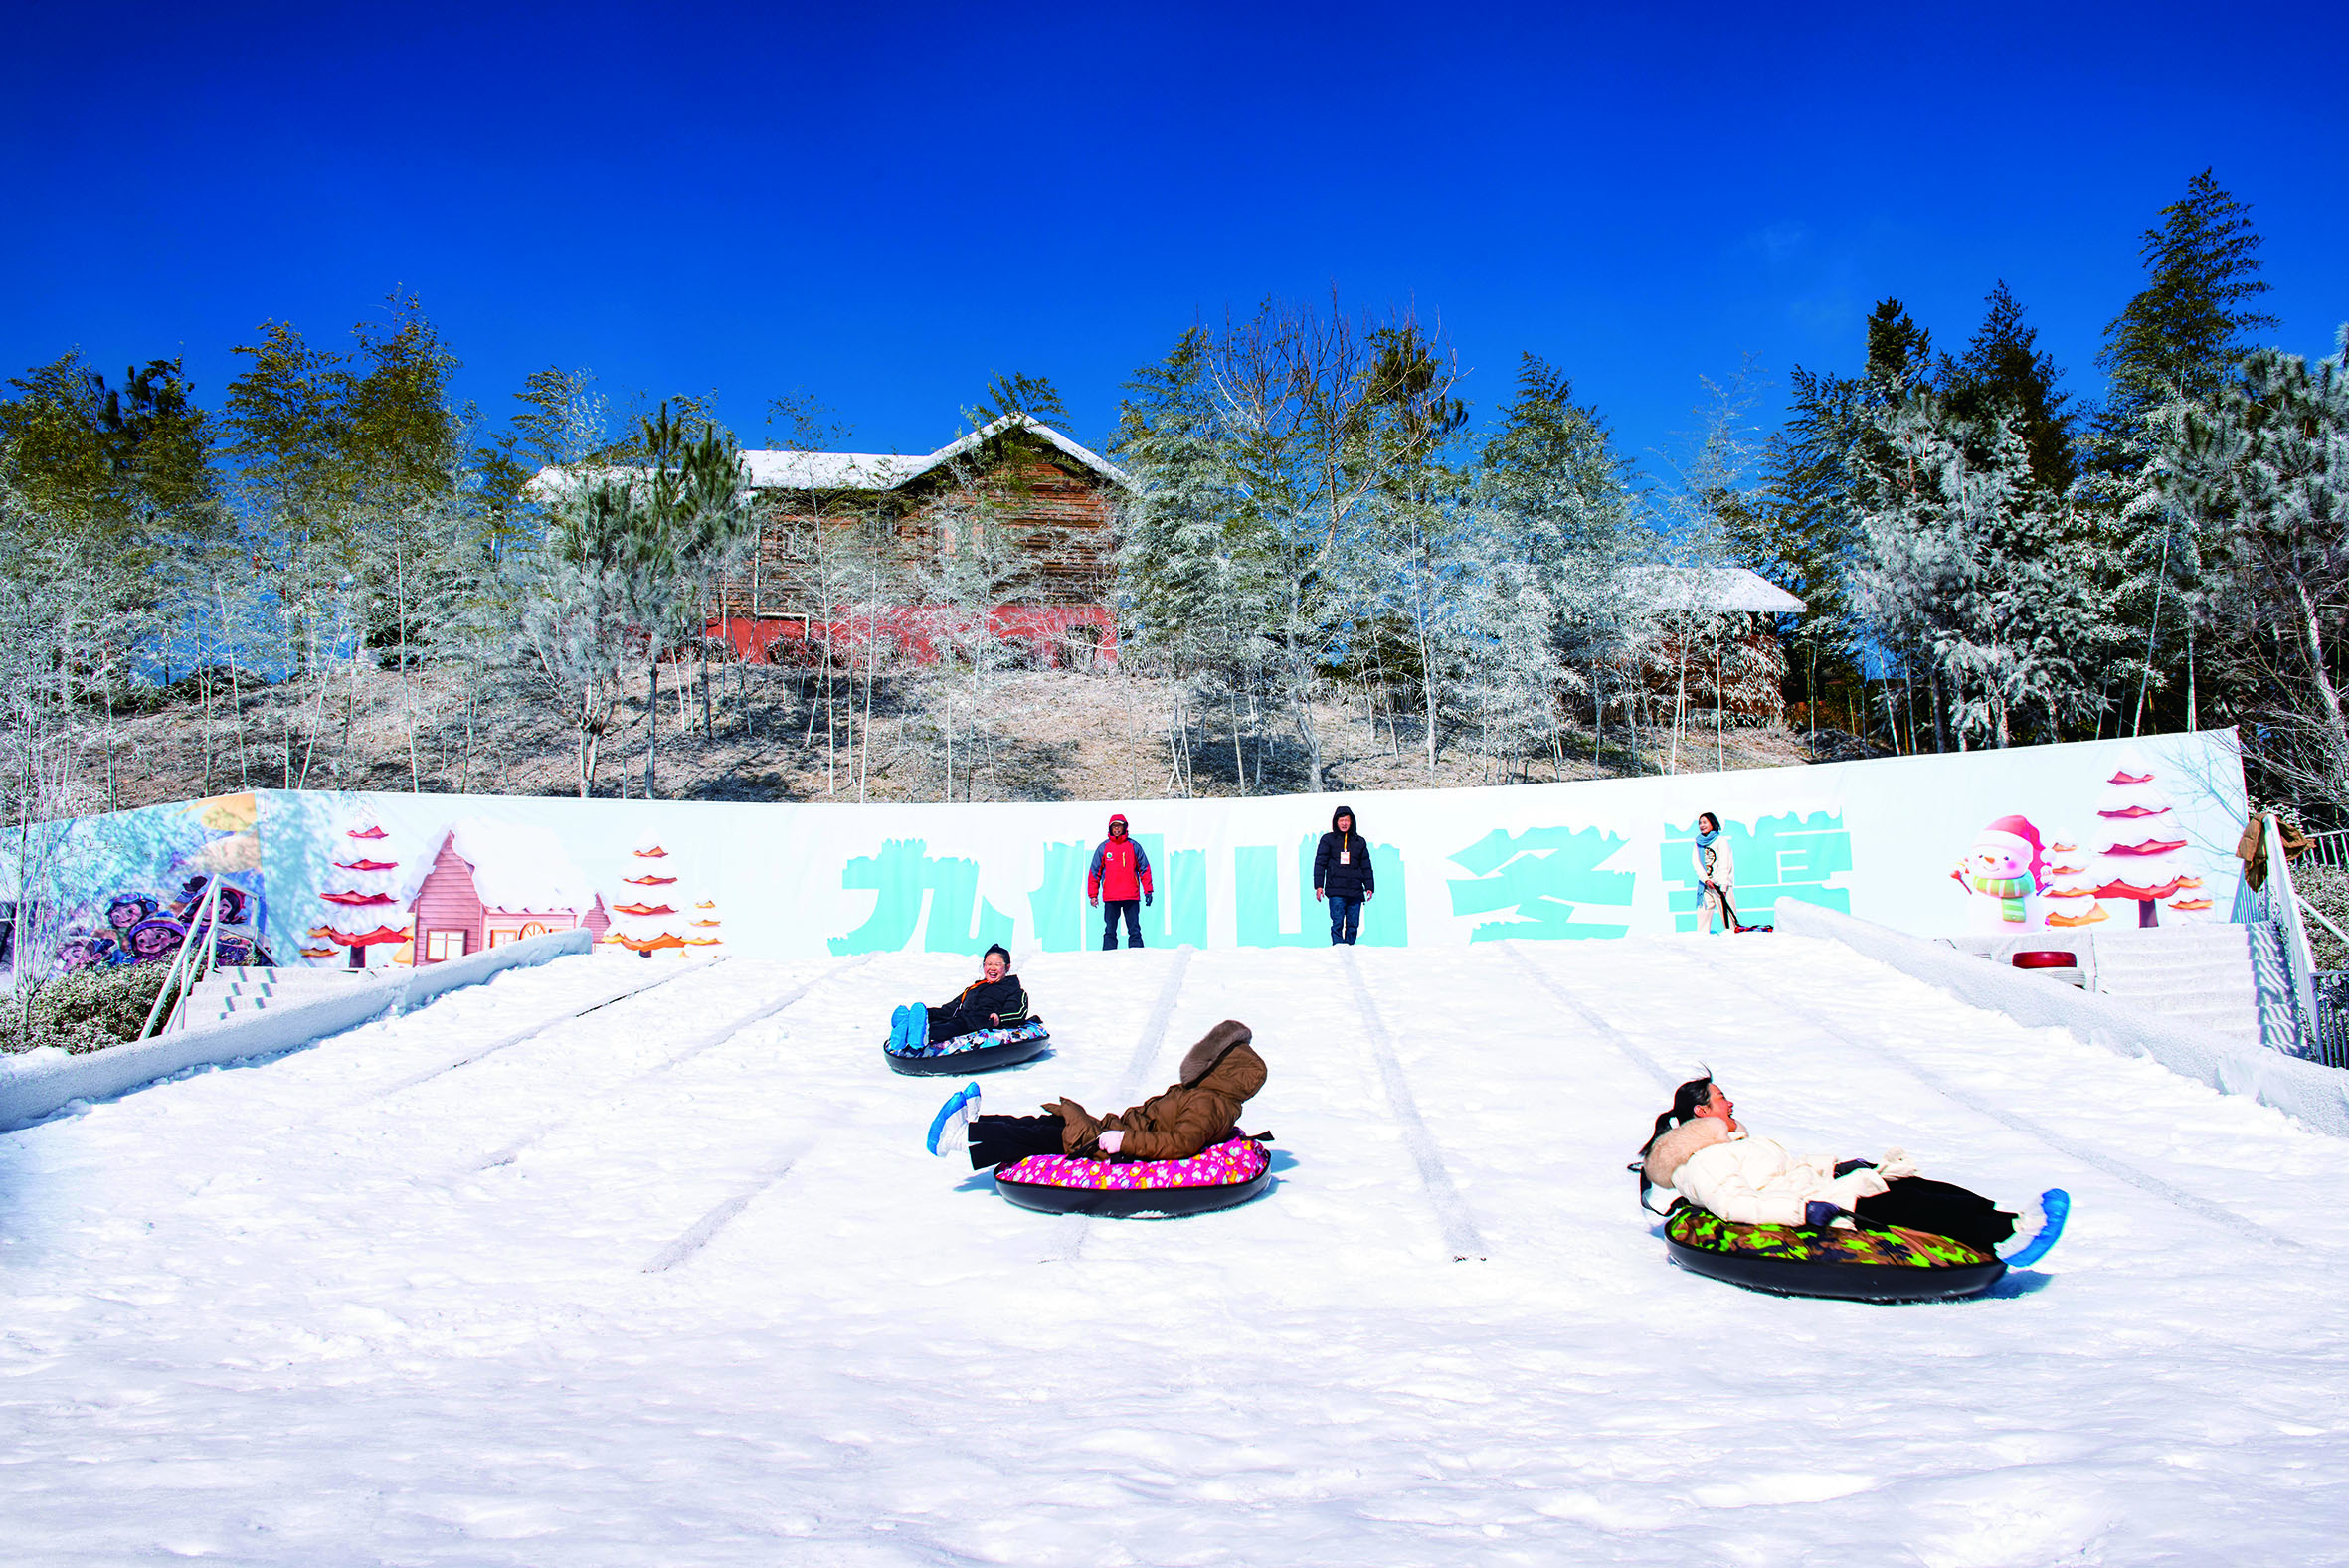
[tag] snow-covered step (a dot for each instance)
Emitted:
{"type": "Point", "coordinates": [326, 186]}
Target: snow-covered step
{"type": "Point", "coordinates": [240, 993]}
{"type": "Point", "coordinates": [2204, 976]}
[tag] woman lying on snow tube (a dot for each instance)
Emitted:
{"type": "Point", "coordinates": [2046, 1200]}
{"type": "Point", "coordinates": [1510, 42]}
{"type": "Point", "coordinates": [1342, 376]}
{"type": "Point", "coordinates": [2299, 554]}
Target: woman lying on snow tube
{"type": "Point", "coordinates": [1179, 1153]}
{"type": "Point", "coordinates": [1748, 1212]}
{"type": "Point", "coordinates": [989, 1026]}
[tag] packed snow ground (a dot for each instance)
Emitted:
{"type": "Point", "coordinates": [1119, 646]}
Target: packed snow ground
{"type": "Point", "coordinates": [639, 1289]}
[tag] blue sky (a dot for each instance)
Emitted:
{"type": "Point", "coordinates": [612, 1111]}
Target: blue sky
{"type": "Point", "coordinates": [883, 208]}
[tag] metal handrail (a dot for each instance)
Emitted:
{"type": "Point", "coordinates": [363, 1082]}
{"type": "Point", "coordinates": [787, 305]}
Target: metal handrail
{"type": "Point", "coordinates": [2310, 909]}
{"type": "Point", "coordinates": [2284, 906]}
{"type": "Point", "coordinates": [2329, 848]}
{"type": "Point", "coordinates": [204, 922]}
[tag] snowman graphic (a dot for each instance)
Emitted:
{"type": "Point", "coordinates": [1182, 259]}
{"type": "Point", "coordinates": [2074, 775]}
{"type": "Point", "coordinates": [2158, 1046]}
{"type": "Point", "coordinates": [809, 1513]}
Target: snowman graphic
{"type": "Point", "coordinates": [2003, 869]}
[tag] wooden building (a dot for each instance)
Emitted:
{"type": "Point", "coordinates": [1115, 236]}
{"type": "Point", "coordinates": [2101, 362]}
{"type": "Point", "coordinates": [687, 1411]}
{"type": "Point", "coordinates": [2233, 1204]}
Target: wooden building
{"type": "Point", "coordinates": [825, 517]}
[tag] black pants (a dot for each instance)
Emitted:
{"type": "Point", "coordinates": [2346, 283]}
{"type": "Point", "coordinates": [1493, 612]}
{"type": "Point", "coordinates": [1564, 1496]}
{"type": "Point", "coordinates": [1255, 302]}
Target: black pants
{"type": "Point", "coordinates": [948, 1022]}
{"type": "Point", "coordinates": [1941, 1210]}
{"type": "Point", "coordinates": [1004, 1141]}
{"type": "Point", "coordinates": [1110, 908]}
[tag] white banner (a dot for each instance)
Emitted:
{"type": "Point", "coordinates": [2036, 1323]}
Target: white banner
{"type": "Point", "coordinates": [2058, 838]}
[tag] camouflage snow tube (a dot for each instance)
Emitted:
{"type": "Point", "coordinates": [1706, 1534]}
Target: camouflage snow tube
{"type": "Point", "coordinates": [1874, 1263]}
{"type": "Point", "coordinates": [974, 1053]}
{"type": "Point", "coordinates": [1230, 1174]}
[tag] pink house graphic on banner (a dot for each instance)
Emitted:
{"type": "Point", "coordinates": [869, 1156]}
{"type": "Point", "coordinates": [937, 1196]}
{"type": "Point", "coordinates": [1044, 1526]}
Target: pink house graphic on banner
{"type": "Point", "coordinates": [492, 883]}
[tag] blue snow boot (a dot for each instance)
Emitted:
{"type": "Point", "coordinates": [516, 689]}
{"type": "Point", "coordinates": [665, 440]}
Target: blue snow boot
{"type": "Point", "coordinates": [2054, 1205]}
{"type": "Point", "coordinates": [950, 1129]}
{"type": "Point", "coordinates": [897, 1030]}
{"type": "Point", "coordinates": [909, 1028]}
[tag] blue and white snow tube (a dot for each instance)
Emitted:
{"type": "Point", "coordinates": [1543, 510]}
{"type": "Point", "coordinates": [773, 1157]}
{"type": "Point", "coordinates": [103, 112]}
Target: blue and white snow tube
{"type": "Point", "coordinates": [972, 1053]}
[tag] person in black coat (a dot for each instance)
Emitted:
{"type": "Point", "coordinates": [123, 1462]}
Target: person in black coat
{"type": "Point", "coordinates": [994, 1000]}
{"type": "Point", "coordinates": [1342, 876]}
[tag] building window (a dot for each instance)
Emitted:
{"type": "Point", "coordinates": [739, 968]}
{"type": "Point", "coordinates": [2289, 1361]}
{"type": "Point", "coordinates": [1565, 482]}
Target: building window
{"type": "Point", "coordinates": [442, 945]}
{"type": "Point", "coordinates": [501, 936]}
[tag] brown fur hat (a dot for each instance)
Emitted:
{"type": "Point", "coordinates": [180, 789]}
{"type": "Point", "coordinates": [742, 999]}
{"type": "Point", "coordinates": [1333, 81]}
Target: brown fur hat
{"type": "Point", "coordinates": [1671, 1152]}
{"type": "Point", "coordinates": [1212, 1045]}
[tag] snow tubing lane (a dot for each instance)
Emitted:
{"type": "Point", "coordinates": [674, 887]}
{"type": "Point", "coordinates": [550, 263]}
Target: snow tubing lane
{"type": "Point", "coordinates": [1009, 1047]}
{"type": "Point", "coordinates": [1223, 1177]}
{"type": "Point", "coordinates": [1878, 1264]}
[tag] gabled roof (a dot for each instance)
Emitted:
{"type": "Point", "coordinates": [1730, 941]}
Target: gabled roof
{"type": "Point", "coordinates": [847, 471]}
{"type": "Point", "coordinates": [772, 470]}
{"type": "Point", "coordinates": [855, 471]}
{"type": "Point", "coordinates": [979, 438]}
{"type": "Point", "coordinates": [1712, 588]}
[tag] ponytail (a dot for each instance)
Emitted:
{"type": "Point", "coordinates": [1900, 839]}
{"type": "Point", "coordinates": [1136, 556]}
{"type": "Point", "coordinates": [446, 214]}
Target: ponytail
{"type": "Point", "coordinates": [1684, 1101]}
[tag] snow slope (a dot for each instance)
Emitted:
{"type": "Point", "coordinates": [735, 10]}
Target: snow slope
{"type": "Point", "coordinates": [641, 1287]}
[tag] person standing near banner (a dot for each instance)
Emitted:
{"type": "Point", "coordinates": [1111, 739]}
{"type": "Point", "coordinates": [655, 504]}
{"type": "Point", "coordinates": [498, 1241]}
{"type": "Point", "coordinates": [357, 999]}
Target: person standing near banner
{"type": "Point", "coordinates": [1342, 875]}
{"type": "Point", "coordinates": [1716, 870]}
{"type": "Point", "coordinates": [1119, 882]}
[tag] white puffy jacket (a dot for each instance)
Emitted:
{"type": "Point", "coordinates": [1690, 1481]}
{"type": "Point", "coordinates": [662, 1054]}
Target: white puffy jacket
{"type": "Point", "coordinates": [1754, 1181]}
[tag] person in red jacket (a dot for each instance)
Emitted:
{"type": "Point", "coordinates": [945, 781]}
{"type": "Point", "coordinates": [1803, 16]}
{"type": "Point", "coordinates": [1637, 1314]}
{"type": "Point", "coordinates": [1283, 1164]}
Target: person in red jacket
{"type": "Point", "coordinates": [1119, 882]}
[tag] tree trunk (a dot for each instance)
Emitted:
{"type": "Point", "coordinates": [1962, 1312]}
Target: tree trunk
{"type": "Point", "coordinates": [651, 722]}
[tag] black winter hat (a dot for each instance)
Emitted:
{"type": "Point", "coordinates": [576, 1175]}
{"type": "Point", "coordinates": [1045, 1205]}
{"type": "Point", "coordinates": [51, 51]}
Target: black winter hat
{"type": "Point", "coordinates": [1344, 810]}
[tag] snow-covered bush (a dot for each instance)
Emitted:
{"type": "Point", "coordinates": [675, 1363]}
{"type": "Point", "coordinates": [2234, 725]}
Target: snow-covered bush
{"type": "Point", "coordinates": [89, 1009]}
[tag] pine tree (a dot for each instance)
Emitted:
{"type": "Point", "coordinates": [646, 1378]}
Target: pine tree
{"type": "Point", "coordinates": [1197, 595]}
{"type": "Point", "coordinates": [1554, 496]}
{"type": "Point", "coordinates": [1033, 396]}
{"type": "Point", "coordinates": [2003, 368]}
{"type": "Point", "coordinates": [2181, 335]}
{"type": "Point", "coordinates": [1952, 565]}
{"type": "Point", "coordinates": [2264, 473]}
{"type": "Point", "coordinates": [2174, 345]}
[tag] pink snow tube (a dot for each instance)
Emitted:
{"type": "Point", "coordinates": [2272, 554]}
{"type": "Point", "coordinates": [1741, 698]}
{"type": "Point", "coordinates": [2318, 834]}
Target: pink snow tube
{"type": "Point", "coordinates": [1233, 1171]}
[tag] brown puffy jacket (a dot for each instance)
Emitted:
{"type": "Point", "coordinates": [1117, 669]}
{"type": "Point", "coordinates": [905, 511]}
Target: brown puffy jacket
{"type": "Point", "coordinates": [1220, 1074]}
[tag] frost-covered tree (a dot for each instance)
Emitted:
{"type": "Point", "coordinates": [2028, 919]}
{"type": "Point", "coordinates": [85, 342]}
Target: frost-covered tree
{"type": "Point", "coordinates": [1552, 495]}
{"type": "Point", "coordinates": [2264, 472]}
{"type": "Point", "coordinates": [2174, 346]}
{"type": "Point", "coordinates": [1197, 595]}
{"type": "Point", "coordinates": [971, 568]}
{"type": "Point", "coordinates": [1953, 562]}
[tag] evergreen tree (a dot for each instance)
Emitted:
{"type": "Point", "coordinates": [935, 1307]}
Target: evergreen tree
{"type": "Point", "coordinates": [1552, 497]}
{"type": "Point", "coordinates": [1033, 396]}
{"type": "Point", "coordinates": [2003, 368]}
{"type": "Point", "coordinates": [2174, 345]}
{"type": "Point", "coordinates": [1951, 566]}
{"type": "Point", "coordinates": [1801, 529]}
{"type": "Point", "coordinates": [2265, 471]}
{"type": "Point", "coordinates": [1197, 595]}
{"type": "Point", "coordinates": [2181, 335]}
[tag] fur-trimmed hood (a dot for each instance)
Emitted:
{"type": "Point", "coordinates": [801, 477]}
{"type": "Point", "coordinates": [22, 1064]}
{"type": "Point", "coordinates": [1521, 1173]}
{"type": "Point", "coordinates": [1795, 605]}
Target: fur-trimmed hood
{"type": "Point", "coordinates": [1672, 1151]}
{"type": "Point", "coordinates": [1212, 1047]}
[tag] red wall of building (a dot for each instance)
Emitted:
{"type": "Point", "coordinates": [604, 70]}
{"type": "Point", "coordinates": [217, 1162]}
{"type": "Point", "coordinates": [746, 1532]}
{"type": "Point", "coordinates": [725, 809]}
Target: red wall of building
{"type": "Point", "coordinates": [913, 632]}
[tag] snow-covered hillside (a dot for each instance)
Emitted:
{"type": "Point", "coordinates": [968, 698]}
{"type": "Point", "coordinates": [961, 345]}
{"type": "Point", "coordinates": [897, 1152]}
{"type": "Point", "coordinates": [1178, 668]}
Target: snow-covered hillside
{"type": "Point", "coordinates": [641, 1287]}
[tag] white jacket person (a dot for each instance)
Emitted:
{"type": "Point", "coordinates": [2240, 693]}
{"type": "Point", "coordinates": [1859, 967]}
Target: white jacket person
{"type": "Point", "coordinates": [1751, 1180]}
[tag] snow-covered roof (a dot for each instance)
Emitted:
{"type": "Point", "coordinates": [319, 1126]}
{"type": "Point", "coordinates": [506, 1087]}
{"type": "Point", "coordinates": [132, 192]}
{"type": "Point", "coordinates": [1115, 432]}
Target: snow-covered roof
{"type": "Point", "coordinates": [520, 866]}
{"type": "Point", "coordinates": [830, 470]}
{"type": "Point", "coordinates": [1702, 588]}
{"type": "Point", "coordinates": [864, 470]}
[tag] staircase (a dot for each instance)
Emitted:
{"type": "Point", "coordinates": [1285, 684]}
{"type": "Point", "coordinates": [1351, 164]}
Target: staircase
{"type": "Point", "coordinates": [2226, 978]}
{"type": "Point", "coordinates": [226, 995]}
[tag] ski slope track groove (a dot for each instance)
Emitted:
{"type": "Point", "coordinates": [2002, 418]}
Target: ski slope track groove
{"type": "Point", "coordinates": [718, 1218]}
{"type": "Point", "coordinates": [545, 1026]}
{"type": "Point", "coordinates": [1581, 1009]}
{"type": "Point", "coordinates": [708, 1042]}
{"type": "Point", "coordinates": [1435, 1178]}
{"type": "Point", "coordinates": [723, 1310]}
